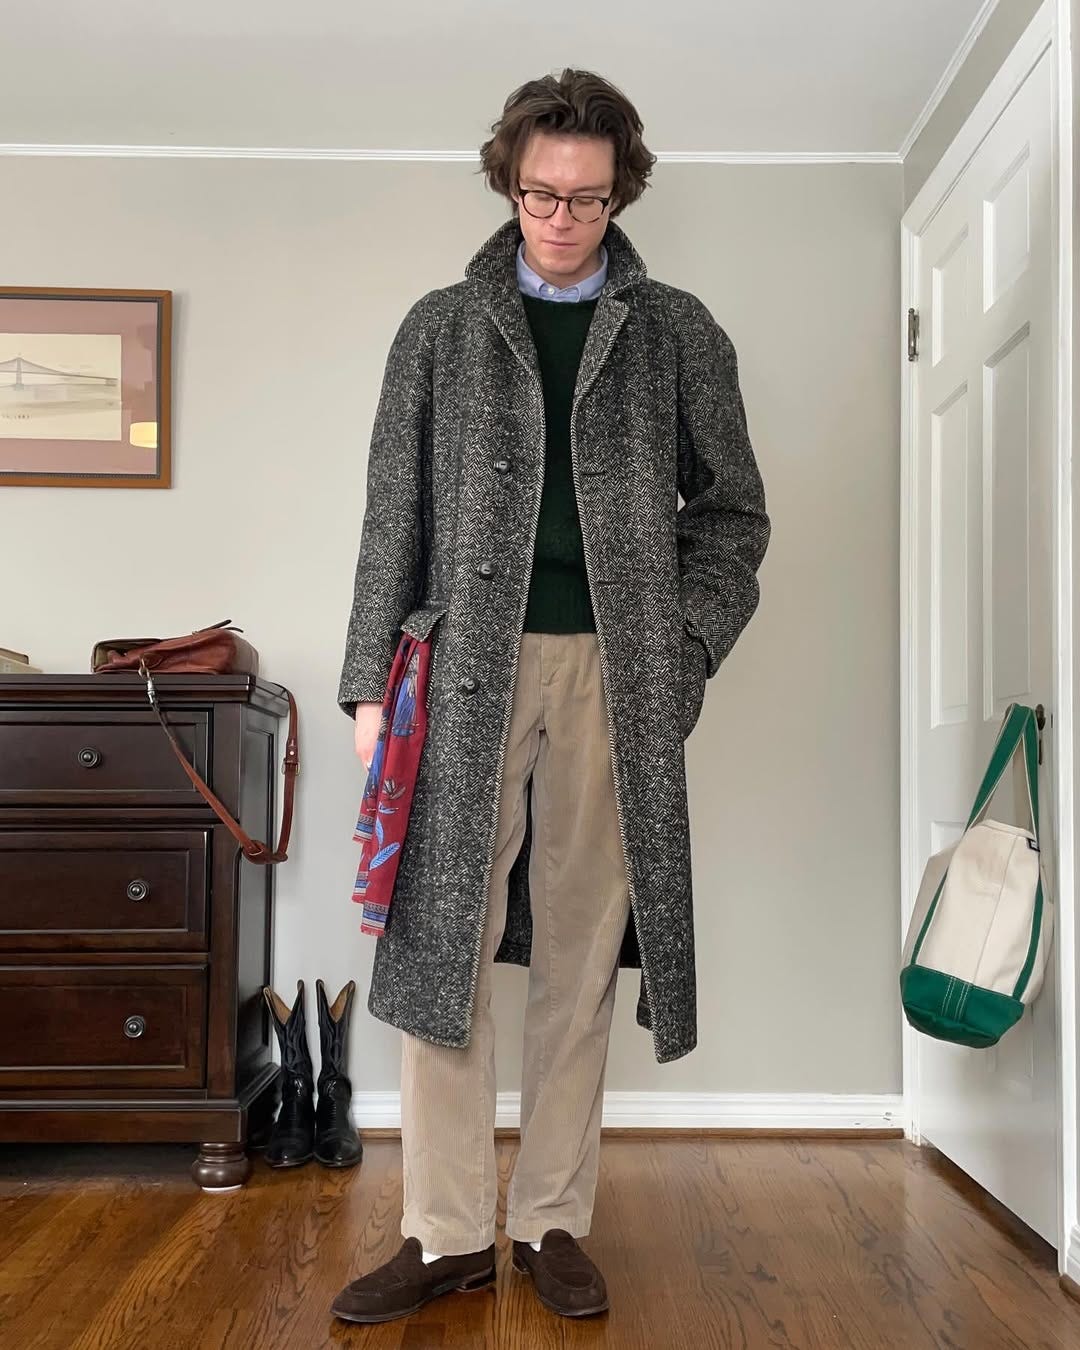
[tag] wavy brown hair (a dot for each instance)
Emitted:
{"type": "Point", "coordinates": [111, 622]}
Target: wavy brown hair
{"type": "Point", "coordinates": [579, 103]}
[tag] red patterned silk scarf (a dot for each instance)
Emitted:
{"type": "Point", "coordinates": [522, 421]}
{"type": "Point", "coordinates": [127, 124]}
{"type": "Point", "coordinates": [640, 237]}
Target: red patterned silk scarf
{"type": "Point", "coordinates": [384, 809]}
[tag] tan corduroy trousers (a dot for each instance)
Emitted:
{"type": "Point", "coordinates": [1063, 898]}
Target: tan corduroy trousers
{"type": "Point", "coordinates": [558, 739]}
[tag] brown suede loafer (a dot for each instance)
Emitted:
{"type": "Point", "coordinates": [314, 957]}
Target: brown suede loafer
{"type": "Point", "coordinates": [566, 1280]}
{"type": "Point", "coordinates": [405, 1283]}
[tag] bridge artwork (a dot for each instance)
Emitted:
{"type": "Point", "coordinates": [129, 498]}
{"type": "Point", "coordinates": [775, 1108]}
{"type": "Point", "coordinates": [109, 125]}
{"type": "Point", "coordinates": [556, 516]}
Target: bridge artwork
{"type": "Point", "coordinates": [31, 392]}
{"type": "Point", "coordinates": [85, 387]}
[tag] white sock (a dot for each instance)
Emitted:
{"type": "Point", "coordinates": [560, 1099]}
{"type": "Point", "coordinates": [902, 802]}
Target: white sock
{"type": "Point", "coordinates": [434, 1256]}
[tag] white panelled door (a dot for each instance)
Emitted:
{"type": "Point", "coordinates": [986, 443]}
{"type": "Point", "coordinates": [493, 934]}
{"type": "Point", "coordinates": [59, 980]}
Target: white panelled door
{"type": "Point", "coordinates": [982, 426]}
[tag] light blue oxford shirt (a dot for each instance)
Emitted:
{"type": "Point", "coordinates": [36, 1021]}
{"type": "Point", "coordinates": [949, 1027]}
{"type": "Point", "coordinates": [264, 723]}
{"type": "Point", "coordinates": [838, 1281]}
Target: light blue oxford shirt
{"type": "Point", "coordinates": [531, 283]}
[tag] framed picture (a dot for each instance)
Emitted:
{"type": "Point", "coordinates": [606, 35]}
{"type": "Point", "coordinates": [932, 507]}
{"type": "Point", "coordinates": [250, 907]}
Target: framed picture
{"type": "Point", "coordinates": [84, 387]}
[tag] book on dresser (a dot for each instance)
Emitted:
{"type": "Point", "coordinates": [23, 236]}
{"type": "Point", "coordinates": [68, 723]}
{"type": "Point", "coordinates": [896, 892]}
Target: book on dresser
{"type": "Point", "coordinates": [16, 663]}
{"type": "Point", "coordinates": [135, 938]}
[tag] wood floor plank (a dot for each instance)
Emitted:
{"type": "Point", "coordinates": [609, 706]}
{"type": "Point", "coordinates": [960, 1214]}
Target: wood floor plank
{"type": "Point", "coordinates": [706, 1243]}
{"type": "Point", "coordinates": [21, 1217]}
{"type": "Point", "coordinates": [107, 1241]}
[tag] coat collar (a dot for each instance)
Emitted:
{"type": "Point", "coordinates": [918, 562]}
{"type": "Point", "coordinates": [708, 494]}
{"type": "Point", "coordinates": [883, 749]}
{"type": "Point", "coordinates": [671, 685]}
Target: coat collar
{"type": "Point", "coordinates": [495, 261]}
{"type": "Point", "coordinates": [492, 271]}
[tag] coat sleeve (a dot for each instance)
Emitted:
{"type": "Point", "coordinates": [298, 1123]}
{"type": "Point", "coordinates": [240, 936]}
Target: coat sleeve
{"type": "Point", "coordinates": [722, 528]}
{"type": "Point", "coordinates": [390, 567]}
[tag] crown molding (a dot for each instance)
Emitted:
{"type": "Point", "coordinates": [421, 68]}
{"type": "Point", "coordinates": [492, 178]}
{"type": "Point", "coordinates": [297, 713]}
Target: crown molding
{"type": "Point", "coordinates": [949, 74]}
{"type": "Point", "coordinates": [310, 152]}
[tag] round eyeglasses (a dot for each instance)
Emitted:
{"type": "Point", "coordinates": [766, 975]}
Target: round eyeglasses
{"type": "Point", "coordinates": [542, 205]}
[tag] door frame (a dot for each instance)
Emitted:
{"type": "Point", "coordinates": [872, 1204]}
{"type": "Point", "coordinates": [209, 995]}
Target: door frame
{"type": "Point", "coordinates": [1049, 28]}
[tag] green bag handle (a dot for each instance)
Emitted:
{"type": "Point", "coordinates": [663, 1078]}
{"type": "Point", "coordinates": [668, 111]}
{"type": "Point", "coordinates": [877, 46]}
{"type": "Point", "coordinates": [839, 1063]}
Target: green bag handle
{"type": "Point", "coordinates": [1017, 724]}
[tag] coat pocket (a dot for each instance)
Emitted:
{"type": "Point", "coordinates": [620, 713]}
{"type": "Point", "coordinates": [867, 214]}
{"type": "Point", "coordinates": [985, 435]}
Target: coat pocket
{"type": "Point", "coordinates": [419, 622]}
{"type": "Point", "coordinates": [694, 663]}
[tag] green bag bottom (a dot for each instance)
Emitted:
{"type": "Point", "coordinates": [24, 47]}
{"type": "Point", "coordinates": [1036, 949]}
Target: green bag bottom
{"type": "Point", "coordinates": [950, 1009]}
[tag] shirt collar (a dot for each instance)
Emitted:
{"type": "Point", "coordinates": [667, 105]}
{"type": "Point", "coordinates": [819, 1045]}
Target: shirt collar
{"type": "Point", "coordinates": [531, 283]}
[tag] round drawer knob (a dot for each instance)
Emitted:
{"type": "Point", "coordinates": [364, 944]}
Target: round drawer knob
{"type": "Point", "coordinates": [138, 889]}
{"type": "Point", "coordinates": [135, 1026]}
{"type": "Point", "coordinates": [88, 756]}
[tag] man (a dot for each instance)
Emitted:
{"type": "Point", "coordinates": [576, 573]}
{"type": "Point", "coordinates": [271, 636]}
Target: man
{"type": "Point", "coordinates": [536, 423]}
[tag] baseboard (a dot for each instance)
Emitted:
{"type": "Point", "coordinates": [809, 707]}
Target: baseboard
{"type": "Point", "coordinates": [1072, 1258]}
{"type": "Point", "coordinates": [689, 1110]}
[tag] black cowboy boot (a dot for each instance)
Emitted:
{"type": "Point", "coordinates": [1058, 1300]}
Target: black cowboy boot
{"type": "Point", "coordinates": [294, 1130]}
{"type": "Point", "coordinates": [337, 1143]}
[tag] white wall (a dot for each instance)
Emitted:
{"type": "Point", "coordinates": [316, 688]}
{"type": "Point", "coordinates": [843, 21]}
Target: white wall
{"type": "Point", "coordinates": [289, 280]}
{"type": "Point", "coordinates": [997, 38]}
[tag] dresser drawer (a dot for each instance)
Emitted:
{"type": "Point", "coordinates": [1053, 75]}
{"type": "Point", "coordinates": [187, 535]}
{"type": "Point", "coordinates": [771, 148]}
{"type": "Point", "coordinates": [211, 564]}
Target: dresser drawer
{"type": "Point", "coordinates": [64, 756]}
{"type": "Point", "coordinates": [104, 889]}
{"type": "Point", "coordinates": [102, 1027]}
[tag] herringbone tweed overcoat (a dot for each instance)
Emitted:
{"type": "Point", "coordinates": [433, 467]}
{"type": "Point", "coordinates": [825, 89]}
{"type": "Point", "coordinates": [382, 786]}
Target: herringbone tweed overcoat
{"type": "Point", "coordinates": [454, 478]}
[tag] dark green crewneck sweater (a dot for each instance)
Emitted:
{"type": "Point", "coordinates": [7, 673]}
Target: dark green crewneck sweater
{"type": "Point", "coordinates": [559, 600]}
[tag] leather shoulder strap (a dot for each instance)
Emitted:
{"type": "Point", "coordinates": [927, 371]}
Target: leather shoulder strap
{"type": "Point", "coordinates": [254, 849]}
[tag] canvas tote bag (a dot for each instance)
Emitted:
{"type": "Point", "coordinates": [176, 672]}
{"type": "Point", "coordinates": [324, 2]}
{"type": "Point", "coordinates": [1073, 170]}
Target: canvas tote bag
{"type": "Point", "coordinates": [980, 935]}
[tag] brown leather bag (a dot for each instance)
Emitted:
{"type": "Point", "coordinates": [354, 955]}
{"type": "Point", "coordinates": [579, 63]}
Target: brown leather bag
{"type": "Point", "coordinates": [206, 651]}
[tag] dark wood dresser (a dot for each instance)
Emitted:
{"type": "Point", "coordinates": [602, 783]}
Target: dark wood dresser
{"type": "Point", "coordinates": [135, 937]}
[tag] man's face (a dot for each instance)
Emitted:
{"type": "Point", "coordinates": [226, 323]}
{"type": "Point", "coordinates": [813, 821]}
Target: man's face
{"type": "Point", "coordinates": [561, 249]}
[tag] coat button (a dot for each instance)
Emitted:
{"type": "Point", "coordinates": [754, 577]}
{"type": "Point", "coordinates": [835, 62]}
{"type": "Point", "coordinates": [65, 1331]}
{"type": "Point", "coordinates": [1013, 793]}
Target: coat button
{"type": "Point", "coordinates": [486, 568]}
{"type": "Point", "coordinates": [501, 465]}
{"type": "Point", "coordinates": [468, 685]}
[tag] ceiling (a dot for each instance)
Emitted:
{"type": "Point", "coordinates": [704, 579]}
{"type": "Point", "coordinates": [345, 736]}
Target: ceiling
{"type": "Point", "coordinates": [844, 78]}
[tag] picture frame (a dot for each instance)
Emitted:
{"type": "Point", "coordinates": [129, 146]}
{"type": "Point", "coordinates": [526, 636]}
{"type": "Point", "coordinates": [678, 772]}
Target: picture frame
{"type": "Point", "coordinates": [85, 387]}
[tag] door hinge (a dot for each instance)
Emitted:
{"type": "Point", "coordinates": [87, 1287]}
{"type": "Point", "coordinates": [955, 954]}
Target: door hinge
{"type": "Point", "coordinates": [912, 334]}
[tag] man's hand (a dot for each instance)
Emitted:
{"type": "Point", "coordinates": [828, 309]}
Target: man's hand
{"type": "Point", "coordinates": [368, 717]}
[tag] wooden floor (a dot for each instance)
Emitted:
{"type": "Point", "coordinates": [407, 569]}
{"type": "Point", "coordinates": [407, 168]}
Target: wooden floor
{"type": "Point", "coordinates": [704, 1242]}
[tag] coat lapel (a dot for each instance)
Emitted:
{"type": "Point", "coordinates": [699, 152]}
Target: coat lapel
{"type": "Point", "coordinates": [493, 271]}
